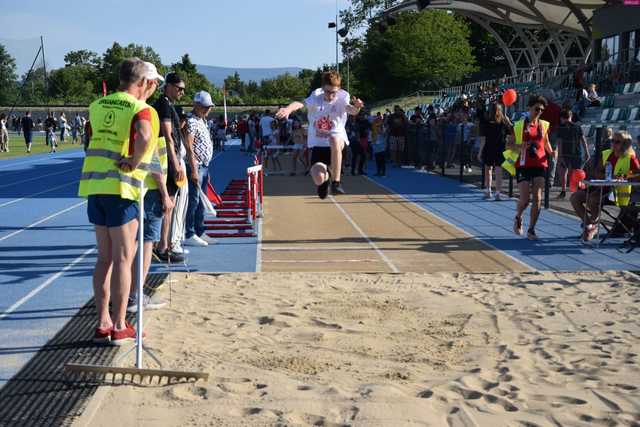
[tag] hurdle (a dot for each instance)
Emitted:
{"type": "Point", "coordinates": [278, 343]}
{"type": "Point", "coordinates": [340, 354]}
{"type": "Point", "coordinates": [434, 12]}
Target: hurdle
{"type": "Point", "coordinates": [242, 205]}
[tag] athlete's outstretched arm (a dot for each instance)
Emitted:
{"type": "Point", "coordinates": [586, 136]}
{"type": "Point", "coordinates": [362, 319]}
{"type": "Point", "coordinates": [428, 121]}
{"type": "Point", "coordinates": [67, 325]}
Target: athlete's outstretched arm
{"type": "Point", "coordinates": [355, 106]}
{"type": "Point", "coordinates": [284, 113]}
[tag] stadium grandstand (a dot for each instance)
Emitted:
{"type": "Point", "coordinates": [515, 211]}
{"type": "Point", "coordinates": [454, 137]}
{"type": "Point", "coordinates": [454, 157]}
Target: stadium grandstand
{"type": "Point", "coordinates": [559, 48]}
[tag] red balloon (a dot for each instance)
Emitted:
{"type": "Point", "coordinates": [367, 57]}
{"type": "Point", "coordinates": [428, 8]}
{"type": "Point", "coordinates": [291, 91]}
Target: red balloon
{"type": "Point", "coordinates": [509, 97]}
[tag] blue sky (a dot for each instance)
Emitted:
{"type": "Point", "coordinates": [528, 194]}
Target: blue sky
{"type": "Point", "coordinates": [233, 33]}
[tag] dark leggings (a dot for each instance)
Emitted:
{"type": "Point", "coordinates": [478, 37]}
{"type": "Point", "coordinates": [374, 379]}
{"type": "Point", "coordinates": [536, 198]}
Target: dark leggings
{"type": "Point", "coordinates": [381, 165]}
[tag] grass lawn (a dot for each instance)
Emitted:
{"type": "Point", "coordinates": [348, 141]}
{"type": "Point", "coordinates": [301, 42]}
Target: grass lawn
{"type": "Point", "coordinates": [19, 149]}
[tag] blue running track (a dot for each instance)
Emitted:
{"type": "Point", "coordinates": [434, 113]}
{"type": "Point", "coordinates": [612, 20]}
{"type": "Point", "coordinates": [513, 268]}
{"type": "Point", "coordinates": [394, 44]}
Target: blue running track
{"type": "Point", "coordinates": [558, 248]}
{"type": "Point", "coordinates": [47, 249]}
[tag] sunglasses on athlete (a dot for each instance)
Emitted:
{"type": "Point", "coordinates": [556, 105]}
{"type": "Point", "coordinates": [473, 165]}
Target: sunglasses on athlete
{"type": "Point", "coordinates": [180, 88]}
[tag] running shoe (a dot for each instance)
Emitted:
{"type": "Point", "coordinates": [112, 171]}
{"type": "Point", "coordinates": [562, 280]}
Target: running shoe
{"type": "Point", "coordinates": [590, 232]}
{"type": "Point", "coordinates": [195, 241]}
{"type": "Point", "coordinates": [207, 239]}
{"type": "Point", "coordinates": [517, 226]}
{"type": "Point", "coordinates": [148, 304]}
{"type": "Point", "coordinates": [336, 188]}
{"type": "Point", "coordinates": [178, 249]}
{"type": "Point", "coordinates": [170, 257]}
{"type": "Point", "coordinates": [531, 234]}
{"type": "Point", "coordinates": [499, 197]}
{"type": "Point", "coordinates": [102, 335]}
{"type": "Point", "coordinates": [561, 195]}
{"type": "Point", "coordinates": [323, 189]}
{"type": "Point", "coordinates": [487, 195]}
{"type": "Point", "coordinates": [123, 336]}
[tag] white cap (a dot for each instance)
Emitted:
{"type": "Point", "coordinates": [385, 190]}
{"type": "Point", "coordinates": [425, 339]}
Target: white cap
{"type": "Point", "coordinates": [203, 98]}
{"type": "Point", "coordinates": [151, 72]}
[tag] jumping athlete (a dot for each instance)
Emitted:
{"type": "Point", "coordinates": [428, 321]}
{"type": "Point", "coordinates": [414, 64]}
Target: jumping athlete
{"type": "Point", "coordinates": [327, 108]}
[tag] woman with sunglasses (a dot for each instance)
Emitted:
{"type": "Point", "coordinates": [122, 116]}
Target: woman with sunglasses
{"type": "Point", "coordinates": [527, 151]}
{"type": "Point", "coordinates": [623, 163]}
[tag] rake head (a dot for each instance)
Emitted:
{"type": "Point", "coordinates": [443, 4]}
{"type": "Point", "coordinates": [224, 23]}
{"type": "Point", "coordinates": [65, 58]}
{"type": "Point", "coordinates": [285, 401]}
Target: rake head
{"type": "Point", "coordinates": [134, 376]}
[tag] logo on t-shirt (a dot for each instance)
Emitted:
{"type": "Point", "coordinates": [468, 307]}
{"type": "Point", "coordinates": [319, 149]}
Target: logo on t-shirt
{"type": "Point", "coordinates": [323, 127]}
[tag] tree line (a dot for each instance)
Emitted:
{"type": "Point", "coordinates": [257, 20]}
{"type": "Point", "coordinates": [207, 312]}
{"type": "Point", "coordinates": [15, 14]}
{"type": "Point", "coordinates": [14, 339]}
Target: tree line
{"type": "Point", "coordinates": [80, 80]}
{"type": "Point", "coordinates": [385, 58]}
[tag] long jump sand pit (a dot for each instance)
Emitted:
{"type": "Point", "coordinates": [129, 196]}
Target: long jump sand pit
{"type": "Point", "coordinates": [519, 349]}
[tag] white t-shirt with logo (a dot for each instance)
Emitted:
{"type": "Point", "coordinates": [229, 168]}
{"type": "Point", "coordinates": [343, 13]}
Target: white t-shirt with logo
{"type": "Point", "coordinates": [326, 118]}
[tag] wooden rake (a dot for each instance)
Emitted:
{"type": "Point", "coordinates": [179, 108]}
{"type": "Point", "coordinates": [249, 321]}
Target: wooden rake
{"type": "Point", "coordinates": [137, 375]}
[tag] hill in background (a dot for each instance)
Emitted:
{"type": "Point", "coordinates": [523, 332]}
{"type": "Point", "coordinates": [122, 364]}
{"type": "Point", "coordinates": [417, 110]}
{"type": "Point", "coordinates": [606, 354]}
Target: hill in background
{"type": "Point", "coordinates": [216, 75]}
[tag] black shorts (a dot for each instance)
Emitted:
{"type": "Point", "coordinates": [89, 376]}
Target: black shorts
{"type": "Point", "coordinates": [321, 155]}
{"type": "Point", "coordinates": [528, 174]}
{"type": "Point", "coordinates": [570, 162]}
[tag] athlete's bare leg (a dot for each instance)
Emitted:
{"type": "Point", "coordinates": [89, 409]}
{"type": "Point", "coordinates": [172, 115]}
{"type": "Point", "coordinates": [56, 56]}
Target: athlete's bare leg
{"type": "Point", "coordinates": [337, 144]}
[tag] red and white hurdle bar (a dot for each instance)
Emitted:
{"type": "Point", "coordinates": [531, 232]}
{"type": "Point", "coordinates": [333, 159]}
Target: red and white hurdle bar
{"type": "Point", "coordinates": [242, 203]}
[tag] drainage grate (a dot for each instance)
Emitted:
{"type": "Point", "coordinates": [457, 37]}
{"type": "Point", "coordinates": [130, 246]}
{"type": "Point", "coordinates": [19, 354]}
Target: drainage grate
{"type": "Point", "coordinates": [40, 394]}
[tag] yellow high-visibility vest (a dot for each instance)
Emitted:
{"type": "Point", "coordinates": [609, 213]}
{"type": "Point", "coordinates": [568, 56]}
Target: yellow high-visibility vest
{"type": "Point", "coordinates": [623, 165]}
{"type": "Point", "coordinates": [511, 156]}
{"type": "Point", "coordinates": [111, 118]}
{"type": "Point", "coordinates": [149, 182]}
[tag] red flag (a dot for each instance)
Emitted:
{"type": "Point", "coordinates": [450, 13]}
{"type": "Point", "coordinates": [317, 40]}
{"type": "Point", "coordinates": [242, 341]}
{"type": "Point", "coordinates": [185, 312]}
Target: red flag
{"type": "Point", "coordinates": [213, 196]}
{"type": "Point", "coordinates": [104, 88]}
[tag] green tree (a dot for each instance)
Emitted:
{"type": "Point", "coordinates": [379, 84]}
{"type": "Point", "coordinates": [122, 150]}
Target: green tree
{"type": "Point", "coordinates": [7, 77]}
{"type": "Point", "coordinates": [283, 88]}
{"type": "Point", "coordinates": [33, 87]}
{"type": "Point", "coordinates": [194, 80]}
{"type": "Point", "coordinates": [427, 50]}
{"type": "Point", "coordinates": [113, 57]}
{"type": "Point", "coordinates": [82, 57]}
{"type": "Point", "coordinates": [234, 83]}
{"type": "Point", "coordinates": [73, 84]}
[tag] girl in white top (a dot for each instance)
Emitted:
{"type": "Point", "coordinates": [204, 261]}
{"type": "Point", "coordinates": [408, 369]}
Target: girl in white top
{"type": "Point", "coordinates": [327, 110]}
{"type": "Point", "coordinates": [4, 134]}
{"type": "Point", "coordinates": [62, 125]}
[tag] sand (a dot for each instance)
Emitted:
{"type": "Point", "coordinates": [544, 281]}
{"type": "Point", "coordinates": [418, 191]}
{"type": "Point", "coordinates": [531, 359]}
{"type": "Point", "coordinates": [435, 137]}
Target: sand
{"type": "Point", "coordinates": [519, 349]}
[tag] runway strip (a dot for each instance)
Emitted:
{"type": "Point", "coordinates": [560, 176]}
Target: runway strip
{"type": "Point", "coordinates": [368, 230]}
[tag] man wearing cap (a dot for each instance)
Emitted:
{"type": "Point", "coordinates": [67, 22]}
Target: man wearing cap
{"type": "Point", "coordinates": [172, 91]}
{"type": "Point", "coordinates": [199, 152]}
{"type": "Point", "coordinates": [124, 133]}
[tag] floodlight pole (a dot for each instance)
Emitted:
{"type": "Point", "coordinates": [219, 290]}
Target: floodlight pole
{"type": "Point", "coordinates": [337, 40]}
{"type": "Point", "coordinates": [46, 79]}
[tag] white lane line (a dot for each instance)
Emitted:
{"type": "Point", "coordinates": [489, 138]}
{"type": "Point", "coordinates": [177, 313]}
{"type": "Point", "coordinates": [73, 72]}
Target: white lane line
{"type": "Point", "coordinates": [322, 249]}
{"type": "Point", "coordinates": [13, 184]}
{"type": "Point", "coordinates": [32, 160]}
{"type": "Point", "coordinates": [317, 261]}
{"type": "Point", "coordinates": [381, 254]}
{"type": "Point", "coordinates": [37, 194]}
{"type": "Point", "coordinates": [42, 220]}
{"type": "Point", "coordinates": [43, 285]}
{"type": "Point", "coordinates": [527, 266]}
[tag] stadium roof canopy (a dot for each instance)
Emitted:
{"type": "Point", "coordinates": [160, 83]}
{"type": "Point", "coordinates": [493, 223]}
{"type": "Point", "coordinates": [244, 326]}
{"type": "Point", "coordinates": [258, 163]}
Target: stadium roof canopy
{"type": "Point", "coordinates": [565, 15]}
{"type": "Point", "coordinates": [567, 25]}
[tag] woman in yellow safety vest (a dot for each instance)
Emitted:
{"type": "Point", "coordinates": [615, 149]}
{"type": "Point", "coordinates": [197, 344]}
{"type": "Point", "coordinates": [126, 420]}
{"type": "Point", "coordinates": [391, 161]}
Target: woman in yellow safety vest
{"type": "Point", "coordinates": [623, 164]}
{"type": "Point", "coordinates": [526, 158]}
{"type": "Point", "coordinates": [124, 133]}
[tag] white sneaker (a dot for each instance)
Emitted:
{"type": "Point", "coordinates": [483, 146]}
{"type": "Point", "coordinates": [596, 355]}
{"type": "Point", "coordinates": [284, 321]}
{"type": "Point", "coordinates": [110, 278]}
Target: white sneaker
{"type": "Point", "coordinates": [177, 249]}
{"type": "Point", "coordinates": [208, 240]}
{"type": "Point", "coordinates": [487, 195]}
{"type": "Point", "coordinates": [148, 304]}
{"type": "Point", "coordinates": [195, 241]}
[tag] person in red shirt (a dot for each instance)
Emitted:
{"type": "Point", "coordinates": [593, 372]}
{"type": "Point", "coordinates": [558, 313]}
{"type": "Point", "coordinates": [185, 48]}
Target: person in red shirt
{"type": "Point", "coordinates": [589, 209]}
{"type": "Point", "coordinates": [531, 164]}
